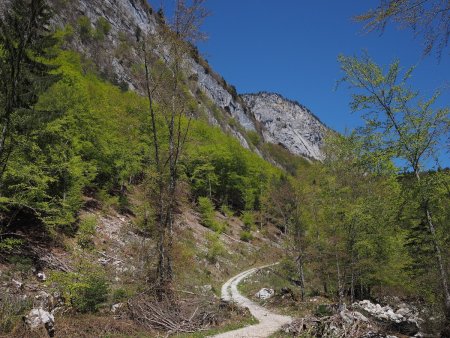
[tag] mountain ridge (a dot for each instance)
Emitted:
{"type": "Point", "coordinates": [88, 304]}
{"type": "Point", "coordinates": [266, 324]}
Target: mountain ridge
{"type": "Point", "coordinates": [128, 19]}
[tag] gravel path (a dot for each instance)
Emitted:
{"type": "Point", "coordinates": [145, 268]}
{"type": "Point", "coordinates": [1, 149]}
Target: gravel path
{"type": "Point", "coordinates": [269, 322]}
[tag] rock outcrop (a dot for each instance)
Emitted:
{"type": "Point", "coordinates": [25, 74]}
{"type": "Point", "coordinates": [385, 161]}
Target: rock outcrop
{"type": "Point", "coordinates": [287, 123]}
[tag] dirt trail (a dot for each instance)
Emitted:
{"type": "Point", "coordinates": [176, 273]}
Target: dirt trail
{"type": "Point", "coordinates": [269, 322]}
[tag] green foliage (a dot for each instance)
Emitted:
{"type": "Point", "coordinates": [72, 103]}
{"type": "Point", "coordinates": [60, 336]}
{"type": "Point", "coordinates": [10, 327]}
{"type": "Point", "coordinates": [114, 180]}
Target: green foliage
{"type": "Point", "coordinates": [84, 292]}
{"type": "Point", "coordinates": [108, 200]}
{"type": "Point", "coordinates": [207, 212]}
{"type": "Point", "coordinates": [25, 73]}
{"type": "Point", "coordinates": [206, 207]}
{"type": "Point", "coordinates": [9, 244]}
{"type": "Point", "coordinates": [65, 34]}
{"type": "Point", "coordinates": [246, 236]}
{"type": "Point", "coordinates": [248, 220]}
{"type": "Point", "coordinates": [85, 28]}
{"type": "Point", "coordinates": [400, 124]}
{"type": "Point", "coordinates": [254, 137]}
{"type": "Point", "coordinates": [323, 310]}
{"type": "Point", "coordinates": [225, 209]}
{"type": "Point", "coordinates": [21, 263]}
{"type": "Point", "coordinates": [120, 295]}
{"type": "Point", "coordinates": [291, 163]}
{"type": "Point", "coordinates": [220, 168]}
{"type": "Point", "coordinates": [103, 27]}
{"type": "Point", "coordinates": [96, 141]}
{"type": "Point", "coordinates": [86, 231]}
{"type": "Point", "coordinates": [214, 247]}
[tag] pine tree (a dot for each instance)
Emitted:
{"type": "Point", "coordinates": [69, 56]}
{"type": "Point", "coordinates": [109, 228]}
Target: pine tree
{"type": "Point", "coordinates": [25, 49]}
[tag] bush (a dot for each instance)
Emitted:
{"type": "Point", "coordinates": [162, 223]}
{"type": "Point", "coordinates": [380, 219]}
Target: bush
{"type": "Point", "coordinates": [120, 295]}
{"type": "Point", "coordinates": [254, 137]}
{"type": "Point", "coordinates": [103, 29]}
{"type": "Point", "coordinates": [248, 220]}
{"type": "Point", "coordinates": [84, 292]}
{"type": "Point", "coordinates": [84, 28]}
{"type": "Point", "coordinates": [207, 212]}
{"type": "Point", "coordinates": [323, 310]}
{"type": "Point", "coordinates": [226, 210]}
{"type": "Point", "coordinates": [9, 244]}
{"type": "Point", "coordinates": [246, 236]}
{"type": "Point", "coordinates": [86, 231]}
{"type": "Point", "coordinates": [108, 200]}
{"type": "Point", "coordinates": [215, 248]}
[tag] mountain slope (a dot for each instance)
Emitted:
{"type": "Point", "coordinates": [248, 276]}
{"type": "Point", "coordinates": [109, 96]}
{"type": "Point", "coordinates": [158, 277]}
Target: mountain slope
{"type": "Point", "coordinates": [116, 57]}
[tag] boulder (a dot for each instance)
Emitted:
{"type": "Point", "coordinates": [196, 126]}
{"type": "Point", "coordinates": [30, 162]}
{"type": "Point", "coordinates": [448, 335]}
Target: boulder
{"type": "Point", "coordinates": [40, 318]}
{"type": "Point", "coordinates": [265, 293]}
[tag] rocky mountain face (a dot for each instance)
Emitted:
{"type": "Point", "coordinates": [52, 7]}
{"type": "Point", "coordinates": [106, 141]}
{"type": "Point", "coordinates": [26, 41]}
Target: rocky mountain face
{"type": "Point", "coordinates": [287, 123]}
{"type": "Point", "coordinates": [276, 119]}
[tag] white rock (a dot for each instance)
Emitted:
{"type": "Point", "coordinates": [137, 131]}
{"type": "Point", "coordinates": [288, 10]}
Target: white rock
{"type": "Point", "coordinates": [265, 293]}
{"type": "Point", "coordinates": [116, 307]}
{"type": "Point", "coordinates": [41, 276]}
{"type": "Point", "coordinates": [404, 311]}
{"type": "Point", "coordinates": [17, 283]}
{"type": "Point", "coordinates": [39, 317]}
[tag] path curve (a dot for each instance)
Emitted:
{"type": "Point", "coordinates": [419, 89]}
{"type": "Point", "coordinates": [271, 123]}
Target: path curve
{"type": "Point", "coordinates": [269, 322]}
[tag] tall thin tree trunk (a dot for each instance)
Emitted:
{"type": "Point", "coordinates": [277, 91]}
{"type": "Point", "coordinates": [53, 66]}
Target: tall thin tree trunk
{"type": "Point", "coordinates": [301, 275]}
{"type": "Point", "coordinates": [3, 155]}
{"type": "Point", "coordinates": [340, 285]}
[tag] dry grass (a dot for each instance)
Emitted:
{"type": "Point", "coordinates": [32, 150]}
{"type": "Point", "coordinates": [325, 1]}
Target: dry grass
{"type": "Point", "coordinates": [86, 326]}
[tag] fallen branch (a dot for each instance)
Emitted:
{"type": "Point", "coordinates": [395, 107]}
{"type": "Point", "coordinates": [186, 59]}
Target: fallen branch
{"type": "Point", "coordinates": [170, 317]}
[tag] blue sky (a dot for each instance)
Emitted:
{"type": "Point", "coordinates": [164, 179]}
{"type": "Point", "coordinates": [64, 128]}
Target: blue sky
{"type": "Point", "coordinates": [291, 47]}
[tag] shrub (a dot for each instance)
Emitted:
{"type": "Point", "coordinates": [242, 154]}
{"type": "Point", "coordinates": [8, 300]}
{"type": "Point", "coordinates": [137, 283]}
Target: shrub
{"type": "Point", "coordinates": [84, 292]}
{"type": "Point", "coordinates": [84, 28]}
{"type": "Point", "coordinates": [108, 200]}
{"type": "Point", "coordinates": [86, 231]}
{"type": "Point", "coordinates": [246, 236]}
{"type": "Point", "coordinates": [226, 210]}
{"type": "Point", "coordinates": [207, 212]}
{"type": "Point", "coordinates": [323, 310]}
{"type": "Point", "coordinates": [103, 29]}
{"type": "Point", "coordinates": [9, 244]}
{"type": "Point", "coordinates": [21, 263]}
{"type": "Point", "coordinates": [248, 220]}
{"type": "Point", "coordinates": [215, 248]}
{"type": "Point", "coordinates": [254, 137]}
{"type": "Point", "coordinates": [120, 295]}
